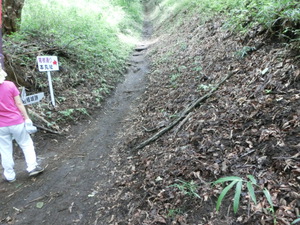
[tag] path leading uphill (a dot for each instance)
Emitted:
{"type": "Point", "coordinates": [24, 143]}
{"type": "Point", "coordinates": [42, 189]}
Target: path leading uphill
{"type": "Point", "coordinates": [79, 171]}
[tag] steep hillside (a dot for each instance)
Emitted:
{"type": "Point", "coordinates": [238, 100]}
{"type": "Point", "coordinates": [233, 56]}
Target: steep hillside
{"type": "Point", "coordinates": [248, 126]}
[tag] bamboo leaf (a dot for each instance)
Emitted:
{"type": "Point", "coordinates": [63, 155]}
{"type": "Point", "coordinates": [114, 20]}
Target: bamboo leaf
{"type": "Point", "coordinates": [224, 179]}
{"type": "Point", "coordinates": [251, 191]}
{"type": "Point", "coordinates": [224, 192]}
{"type": "Point", "coordinates": [296, 221]}
{"type": "Point", "coordinates": [237, 196]}
{"type": "Point", "coordinates": [252, 179]}
{"type": "Point", "coordinates": [268, 196]}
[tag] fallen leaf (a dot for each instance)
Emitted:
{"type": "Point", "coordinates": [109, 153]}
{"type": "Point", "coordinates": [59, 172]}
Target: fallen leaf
{"type": "Point", "coordinates": [39, 205]}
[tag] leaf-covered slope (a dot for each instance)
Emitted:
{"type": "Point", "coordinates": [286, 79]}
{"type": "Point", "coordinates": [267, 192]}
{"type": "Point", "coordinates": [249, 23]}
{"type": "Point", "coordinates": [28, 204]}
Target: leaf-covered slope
{"type": "Point", "coordinates": [249, 126]}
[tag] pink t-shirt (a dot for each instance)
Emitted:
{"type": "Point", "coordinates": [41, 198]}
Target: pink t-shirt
{"type": "Point", "coordinates": [9, 112]}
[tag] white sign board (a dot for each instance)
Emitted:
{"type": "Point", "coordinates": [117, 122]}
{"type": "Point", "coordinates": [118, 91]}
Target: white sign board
{"type": "Point", "coordinates": [30, 99]}
{"type": "Point", "coordinates": [47, 63]}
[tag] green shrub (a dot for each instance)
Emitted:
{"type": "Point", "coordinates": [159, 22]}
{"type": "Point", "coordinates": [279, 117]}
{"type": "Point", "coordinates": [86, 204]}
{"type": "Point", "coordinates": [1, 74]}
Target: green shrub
{"type": "Point", "coordinates": [96, 31]}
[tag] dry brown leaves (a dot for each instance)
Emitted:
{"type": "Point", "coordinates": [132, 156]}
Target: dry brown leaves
{"type": "Point", "coordinates": [250, 126]}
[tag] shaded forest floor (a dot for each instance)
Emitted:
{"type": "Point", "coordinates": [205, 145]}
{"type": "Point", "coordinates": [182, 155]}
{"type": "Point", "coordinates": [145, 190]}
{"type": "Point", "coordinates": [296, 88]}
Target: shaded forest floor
{"type": "Point", "coordinates": [249, 126]}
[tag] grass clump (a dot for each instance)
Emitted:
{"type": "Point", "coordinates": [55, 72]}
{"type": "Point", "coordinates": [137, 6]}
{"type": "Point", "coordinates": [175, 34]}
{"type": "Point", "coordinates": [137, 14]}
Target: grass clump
{"type": "Point", "coordinates": [99, 33]}
{"type": "Point", "coordinates": [92, 39]}
{"type": "Point", "coordinates": [280, 18]}
{"type": "Point", "coordinates": [187, 188]}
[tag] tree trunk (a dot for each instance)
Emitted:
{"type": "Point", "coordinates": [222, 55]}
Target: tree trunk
{"type": "Point", "coordinates": [12, 11]}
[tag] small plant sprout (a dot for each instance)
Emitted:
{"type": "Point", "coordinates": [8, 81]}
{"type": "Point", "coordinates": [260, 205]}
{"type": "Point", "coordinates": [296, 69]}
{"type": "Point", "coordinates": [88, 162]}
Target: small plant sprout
{"type": "Point", "coordinates": [244, 51]}
{"type": "Point", "coordinates": [238, 181]}
{"type": "Point", "coordinates": [67, 113]}
{"type": "Point", "coordinates": [187, 188]}
{"type": "Point", "coordinates": [271, 209]}
{"type": "Point", "coordinates": [204, 87]}
{"type": "Point", "coordinates": [173, 212]}
{"type": "Point", "coordinates": [83, 111]}
{"type": "Point", "coordinates": [174, 77]}
{"type": "Point", "coordinates": [250, 183]}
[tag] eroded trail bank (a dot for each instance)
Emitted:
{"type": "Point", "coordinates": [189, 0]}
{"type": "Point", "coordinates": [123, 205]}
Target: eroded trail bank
{"type": "Point", "coordinates": [249, 126]}
{"type": "Point", "coordinates": [80, 172]}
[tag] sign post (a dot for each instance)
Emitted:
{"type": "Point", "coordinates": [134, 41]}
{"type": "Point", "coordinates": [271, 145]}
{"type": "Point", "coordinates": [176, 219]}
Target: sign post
{"type": "Point", "coordinates": [47, 64]}
{"type": "Point", "coordinates": [51, 88]}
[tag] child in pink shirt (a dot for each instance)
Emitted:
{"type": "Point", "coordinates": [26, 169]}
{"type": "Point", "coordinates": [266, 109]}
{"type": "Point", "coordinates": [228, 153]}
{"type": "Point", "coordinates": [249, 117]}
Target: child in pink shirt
{"type": "Point", "coordinates": [13, 122]}
{"type": "Point", "coordinates": [9, 113]}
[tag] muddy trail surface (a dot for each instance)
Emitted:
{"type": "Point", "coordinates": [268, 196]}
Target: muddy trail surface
{"type": "Point", "coordinates": [79, 170]}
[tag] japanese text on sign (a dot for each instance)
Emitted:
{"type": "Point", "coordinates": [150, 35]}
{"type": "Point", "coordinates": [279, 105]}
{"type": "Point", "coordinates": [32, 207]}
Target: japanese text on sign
{"type": "Point", "coordinates": [32, 98]}
{"type": "Point", "coordinates": [47, 63]}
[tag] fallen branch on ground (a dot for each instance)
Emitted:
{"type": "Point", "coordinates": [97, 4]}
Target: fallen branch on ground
{"type": "Point", "coordinates": [34, 114]}
{"type": "Point", "coordinates": [182, 123]}
{"type": "Point", "coordinates": [47, 129]}
{"type": "Point", "coordinates": [182, 115]}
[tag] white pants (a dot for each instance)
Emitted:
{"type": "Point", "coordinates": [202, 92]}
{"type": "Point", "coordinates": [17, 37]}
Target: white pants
{"type": "Point", "coordinates": [6, 149]}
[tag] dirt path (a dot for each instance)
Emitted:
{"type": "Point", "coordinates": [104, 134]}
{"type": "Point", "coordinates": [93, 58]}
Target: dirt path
{"type": "Point", "coordinates": [78, 167]}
